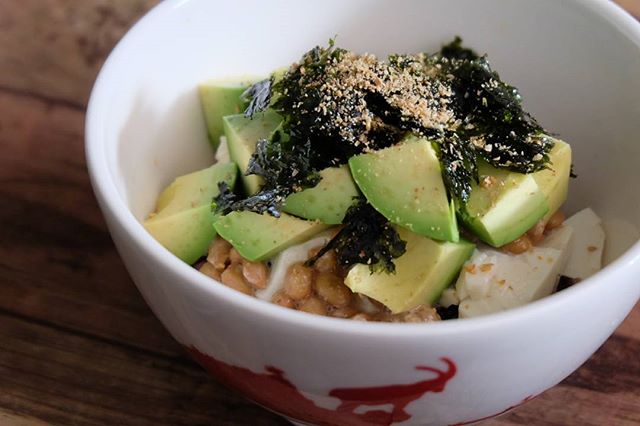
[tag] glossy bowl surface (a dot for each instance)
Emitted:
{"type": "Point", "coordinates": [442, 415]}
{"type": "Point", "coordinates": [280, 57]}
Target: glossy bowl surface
{"type": "Point", "coordinates": [577, 64]}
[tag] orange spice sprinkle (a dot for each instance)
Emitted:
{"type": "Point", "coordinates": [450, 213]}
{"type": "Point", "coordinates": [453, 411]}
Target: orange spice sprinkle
{"type": "Point", "coordinates": [485, 267]}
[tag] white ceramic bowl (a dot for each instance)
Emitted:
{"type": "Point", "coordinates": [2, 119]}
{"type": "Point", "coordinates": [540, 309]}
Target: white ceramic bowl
{"type": "Point", "coordinates": [577, 63]}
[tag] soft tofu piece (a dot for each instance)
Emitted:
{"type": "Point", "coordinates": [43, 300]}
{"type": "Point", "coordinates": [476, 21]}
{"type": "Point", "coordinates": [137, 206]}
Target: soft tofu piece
{"type": "Point", "coordinates": [286, 258]}
{"type": "Point", "coordinates": [585, 249]}
{"type": "Point", "coordinates": [492, 281]}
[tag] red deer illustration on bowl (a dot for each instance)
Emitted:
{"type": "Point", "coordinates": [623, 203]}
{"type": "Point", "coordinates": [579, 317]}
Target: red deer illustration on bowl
{"type": "Point", "coordinates": [399, 396]}
{"type": "Point", "coordinates": [272, 389]}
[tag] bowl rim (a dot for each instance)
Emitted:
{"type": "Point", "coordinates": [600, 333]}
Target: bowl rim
{"type": "Point", "coordinates": [104, 187]}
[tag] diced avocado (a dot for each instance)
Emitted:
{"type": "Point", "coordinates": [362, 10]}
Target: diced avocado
{"type": "Point", "coordinates": [183, 218]}
{"type": "Point", "coordinates": [219, 98]}
{"type": "Point", "coordinates": [328, 201]}
{"type": "Point", "coordinates": [504, 206]}
{"type": "Point", "coordinates": [258, 237]}
{"type": "Point", "coordinates": [554, 182]}
{"type": "Point", "coordinates": [194, 189]}
{"type": "Point", "coordinates": [242, 135]}
{"type": "Point", "coordinates": [404, 183]}
{"type": "Point", "coordinates": [186, 234]}
{"type": "Point", "coordinates": [422, 273]}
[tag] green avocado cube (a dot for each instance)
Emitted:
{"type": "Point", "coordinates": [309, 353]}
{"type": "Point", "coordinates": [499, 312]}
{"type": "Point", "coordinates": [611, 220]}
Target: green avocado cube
{"type": "Point", "coordinates": [503, 206]}
{"type": "Point", "coordinates": [183, 219]}
{"type": "Point", "coordinates": [554, 181]}
{"type": "Point", "coordinates": [328, 201]}
{"type": "Point", "coordinates": [422, 273]}
{"type": "Point", "coordinates": [242, 135]}
{"type": "Point", "coordinates": [219, 98]}
{"type": "Point", "coordinates": [258, 237]}
{"type": "Point", "coordinates": [404, 183]}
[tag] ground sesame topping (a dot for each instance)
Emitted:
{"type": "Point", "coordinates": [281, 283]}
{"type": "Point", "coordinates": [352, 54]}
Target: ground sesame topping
{"type": "Point", "coordinates": [352, 89]}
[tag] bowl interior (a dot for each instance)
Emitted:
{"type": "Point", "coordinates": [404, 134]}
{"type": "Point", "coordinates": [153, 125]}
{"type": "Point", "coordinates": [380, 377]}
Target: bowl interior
{"type": "Point", "coordinates": [577, 71]}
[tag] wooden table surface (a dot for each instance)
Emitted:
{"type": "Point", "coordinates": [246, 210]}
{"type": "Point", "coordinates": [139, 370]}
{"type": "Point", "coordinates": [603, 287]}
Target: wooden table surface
{"type": "Point", "coordinates": [78, 345]}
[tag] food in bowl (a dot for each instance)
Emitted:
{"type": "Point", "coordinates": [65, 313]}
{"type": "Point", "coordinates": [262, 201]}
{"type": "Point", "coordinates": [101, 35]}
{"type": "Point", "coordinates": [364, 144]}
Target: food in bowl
{"type": "Point", "coordinates": [414, 189]}
{"type": "Point", "coordinates": [576, 69]}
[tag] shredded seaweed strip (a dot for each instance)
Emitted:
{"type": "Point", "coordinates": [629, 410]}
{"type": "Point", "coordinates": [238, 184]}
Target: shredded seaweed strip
{"type": "Point", "coordinates": [285, 169]}
{"type": "Point", "coordinates": [490, 112]}
{"type": "Point", "coordinates": [259, 97]}
{"type": "Point", "coordinates": [367, 237]}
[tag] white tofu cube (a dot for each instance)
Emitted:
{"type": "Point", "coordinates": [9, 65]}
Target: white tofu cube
{"type": "Point", "coordinates": [585, 250]}
{"type": "Point", "coordinates": [493, 281]}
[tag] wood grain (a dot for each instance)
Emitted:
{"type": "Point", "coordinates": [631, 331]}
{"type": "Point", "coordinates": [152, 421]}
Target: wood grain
{"type": "Point", "coordinates": [61, 266]}
{"type": "Point", "coordinates": [78, 345]}
{"type": "Point", "coordinates": [54, 48]}
{"type": "Point", "coordinates": [631, 6]}
{"type": "Point", "coordinates": [65, 378]}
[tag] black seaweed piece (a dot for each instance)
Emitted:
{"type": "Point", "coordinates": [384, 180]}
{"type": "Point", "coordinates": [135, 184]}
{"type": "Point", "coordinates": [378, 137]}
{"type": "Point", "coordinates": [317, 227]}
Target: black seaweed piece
{"type": "Point", "coordinates": [367, 237]}
{"type": "Point", "coordinates": [301, 94]}
{"type": "Point", "coordinates": [392, 116]}
{"type": "Point", "coordinates": [285, 168]}
{"type": "Point", "coordinates": [265, 201]}
{"type": "Point", "coordinates": [226, 199]}
{"type": "Point", "coordinates": [454, 50]}
{"type": "Point", "coordinates": [565, 282]}
{"type": "Point", "coordinates": [448, 313]}
{"type": "Point", "coordinates": [491, 113]}
{"type": "Point", "coordinates": [259, 97]}
{"type": "Point", "coordinates": [299, 87]}
{"type": "Point", "coordinates": [459, 165]}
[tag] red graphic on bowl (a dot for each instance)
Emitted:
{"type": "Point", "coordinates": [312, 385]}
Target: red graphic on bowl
{"type": "Point", "coordinates": [398, 395]}
{"type": "Point", "coordinates": [272, 390]}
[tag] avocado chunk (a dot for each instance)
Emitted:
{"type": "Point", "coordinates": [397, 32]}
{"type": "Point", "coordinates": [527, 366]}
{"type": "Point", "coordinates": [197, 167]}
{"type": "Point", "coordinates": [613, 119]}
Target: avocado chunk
{"type": "Point", "coordinates": [242, 135]}
{"type": "Point", "coordinates": [194, 189]}
{"type": "Point", "coordinates": [258, 237]}
{"type": "Point", "coordinates": [183, 219]}
{"type": "Point", "coordinates": [219, 98]}
{"type": "Point", "coordinates": [503, 206]}
{"type": "Point", "coordinates": [422, 273]}
{"type": "Point", "coordinates": [186, 234]}
{"type": "Point", "coordinates": [554, 182]}
{"type": "Point", "coordinates": [404, 183]}
{"type": "Point", "coordinates": [328, 201]}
